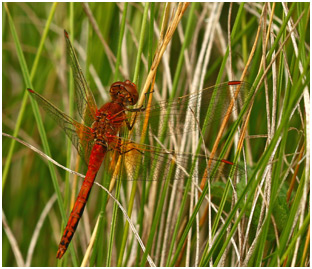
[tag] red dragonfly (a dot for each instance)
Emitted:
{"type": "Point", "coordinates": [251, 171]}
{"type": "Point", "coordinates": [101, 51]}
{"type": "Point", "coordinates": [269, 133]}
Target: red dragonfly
{"type": "Point", "coordinates": [106, 124]}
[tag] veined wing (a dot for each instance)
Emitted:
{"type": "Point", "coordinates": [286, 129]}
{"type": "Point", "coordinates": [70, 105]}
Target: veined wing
{"type": "Point", "coordinates": [83, 96]}
{"type": "Point", "coordinates": [80, 135]}
{"type": "Point", "coordinates": [144, 157]}
{"type": "Point", "coordinates": [182, 113]}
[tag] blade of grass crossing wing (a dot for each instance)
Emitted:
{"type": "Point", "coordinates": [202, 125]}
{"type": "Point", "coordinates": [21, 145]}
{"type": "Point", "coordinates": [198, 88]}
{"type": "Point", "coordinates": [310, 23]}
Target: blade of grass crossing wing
{"type": "Point", "coordinates": [40, 125]}
{"type": "Point", "coordinates": [68, 156]}
{"type": "Point", "coordinates": [243, 109]}
{"type": "Point", "coordinates": [69, 195]}
{"type": "Point", "coordinates": [144, 192]}
{"type": "Point", "coordinates": [169, 261]}
{"type": "Point", "coordinates": [134, 185]}
{"type": "Point", "coordinates": [188, 33]}
{"type": "Point", "coordinates": [253, 182]}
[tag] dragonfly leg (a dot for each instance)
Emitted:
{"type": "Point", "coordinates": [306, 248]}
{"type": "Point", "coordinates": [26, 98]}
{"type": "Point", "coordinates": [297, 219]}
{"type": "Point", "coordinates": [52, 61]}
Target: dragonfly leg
{"type": "Point", "coordinates": [120, 145]}
{"type": "Point", "coordinates": [139, 109]}
{"type": "Point", "coordinates": [126, 151]}
{"type": "Point", "coordinates": [130, 126]}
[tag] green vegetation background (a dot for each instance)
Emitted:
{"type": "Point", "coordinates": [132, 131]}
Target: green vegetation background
{"type": "Point", "coordinates": [27, 185]}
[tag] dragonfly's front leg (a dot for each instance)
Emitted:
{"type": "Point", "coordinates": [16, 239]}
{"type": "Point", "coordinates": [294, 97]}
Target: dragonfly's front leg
{"type": "Point", "coordinates": [123, 147]}
{"type": "Point", "coordinates": [136, 110]}
{"type": "Point", "coordinates": [131, 149]}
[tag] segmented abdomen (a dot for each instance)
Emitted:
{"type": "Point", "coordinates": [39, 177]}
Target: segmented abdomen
{"type": "Point", "coordinates": [96, 158]}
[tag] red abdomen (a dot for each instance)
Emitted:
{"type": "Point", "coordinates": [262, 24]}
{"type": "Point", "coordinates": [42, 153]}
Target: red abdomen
{"type": "Point", "coordinates": [96, 158]}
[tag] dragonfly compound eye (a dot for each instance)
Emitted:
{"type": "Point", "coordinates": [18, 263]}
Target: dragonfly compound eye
{"type": "Point", "coordinates": [131, 88]}
{"type": "Point", "coordinates": [126, 90]}
{"type": "Point", "coordinates": [115, 89]}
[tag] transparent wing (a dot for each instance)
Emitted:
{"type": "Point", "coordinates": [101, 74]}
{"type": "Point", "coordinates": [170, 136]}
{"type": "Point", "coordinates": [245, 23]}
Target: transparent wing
{"type": "Point", "coordinates": [153, 163]}
{"type": "Point", "coordinates": [179, 116]}
{"type": "Point", "coordinates": [83, 96]}
{"type": "Point", "coordinates": [81, 136]}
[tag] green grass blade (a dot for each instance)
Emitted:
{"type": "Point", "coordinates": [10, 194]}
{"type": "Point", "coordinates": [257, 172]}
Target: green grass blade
{"type": "Point", "coordinates": [28, 82]}
{"type": "Point", "coordinates": [40, 125]}
{"type": "Point", "coordinates": [121, 35]}
{"type": "Point", "coordinates": [134, 185]}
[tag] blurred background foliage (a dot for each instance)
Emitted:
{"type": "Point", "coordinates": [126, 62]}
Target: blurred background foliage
{"type": "Point", "coordinates": [27, 188]}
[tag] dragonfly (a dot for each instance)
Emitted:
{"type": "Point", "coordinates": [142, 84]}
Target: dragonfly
{"type": "Point", "coordinates": [99, 138]}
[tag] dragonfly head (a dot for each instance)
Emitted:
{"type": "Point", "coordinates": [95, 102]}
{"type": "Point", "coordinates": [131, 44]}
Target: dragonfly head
{"type": "Point", "coordinates": [124, 92]}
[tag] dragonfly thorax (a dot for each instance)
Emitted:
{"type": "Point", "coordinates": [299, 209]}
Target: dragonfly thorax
{"type": "Point", "coordinates": [109, 119]}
